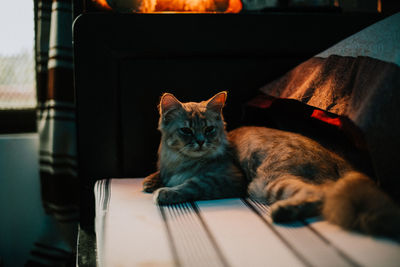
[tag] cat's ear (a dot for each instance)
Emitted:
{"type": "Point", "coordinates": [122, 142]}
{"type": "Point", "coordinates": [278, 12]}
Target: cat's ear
{"type": "Point", "coordinates": [168, 102]}
{"type": "Point", "coordinates": [217, 102]}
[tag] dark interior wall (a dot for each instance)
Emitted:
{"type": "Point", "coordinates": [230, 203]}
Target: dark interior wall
{"type": "Point", "coordinates": [389, 7]}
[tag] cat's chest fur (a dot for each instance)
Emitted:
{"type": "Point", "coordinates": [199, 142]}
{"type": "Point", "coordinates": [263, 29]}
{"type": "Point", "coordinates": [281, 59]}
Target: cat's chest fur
{"type": "Point", "coordinates": [177, 179]}
{"type": "Point", "coordinates": [178, 175]}
{"type": "Point", "coordinates": [175, 169]}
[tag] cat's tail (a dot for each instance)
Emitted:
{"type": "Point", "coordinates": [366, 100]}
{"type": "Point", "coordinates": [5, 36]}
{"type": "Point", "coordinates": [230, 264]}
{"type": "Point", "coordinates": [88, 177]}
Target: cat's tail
{"type": "Point", "coordinates": [356, 203]}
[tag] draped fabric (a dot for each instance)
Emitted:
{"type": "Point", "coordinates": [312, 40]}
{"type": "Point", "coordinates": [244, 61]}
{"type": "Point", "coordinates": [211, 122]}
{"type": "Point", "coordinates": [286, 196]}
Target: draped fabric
{"type": "Point", "coordinates": [357, 79]}
{"type": "Point", "coordinates": [56, 111]}
{"type": "Point", "coordinates": [56, 128]}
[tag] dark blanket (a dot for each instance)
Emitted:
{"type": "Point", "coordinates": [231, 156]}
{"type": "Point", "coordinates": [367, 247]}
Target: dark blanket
{"type": "Point", "coordinates": [358, 80]}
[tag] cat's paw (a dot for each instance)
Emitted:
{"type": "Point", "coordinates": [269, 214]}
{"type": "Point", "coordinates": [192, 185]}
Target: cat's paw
{"type": "Point", "coordinates": [152, 182]}
{"type": "Point", "coordinates": [287, 211]}
{"type": "Point", "coordinates": [149, 186]}
{"type": "Point", "coordinates": [165, 196]}
{"type": "Point", "coordinates": [283, 213]}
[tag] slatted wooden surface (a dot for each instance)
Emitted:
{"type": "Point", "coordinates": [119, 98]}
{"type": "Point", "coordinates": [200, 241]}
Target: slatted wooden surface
{"type": "Point", "coordinates": [132, 231]}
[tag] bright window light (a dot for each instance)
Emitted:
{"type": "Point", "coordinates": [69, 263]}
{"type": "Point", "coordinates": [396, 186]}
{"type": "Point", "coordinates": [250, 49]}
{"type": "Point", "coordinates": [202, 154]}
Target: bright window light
{"type": "Point", "coordinates": [17, 72]}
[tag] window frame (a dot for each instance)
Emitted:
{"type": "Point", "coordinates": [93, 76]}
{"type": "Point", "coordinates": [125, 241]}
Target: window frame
{"type": "Point", "coordinates": [18, 121]}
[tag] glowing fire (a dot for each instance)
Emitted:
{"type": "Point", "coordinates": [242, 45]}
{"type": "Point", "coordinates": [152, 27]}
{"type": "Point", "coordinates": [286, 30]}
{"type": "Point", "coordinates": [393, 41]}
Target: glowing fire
{"type": "Point", "coordinates": [102, 4]}
{"type": "Point", "coordinates": [181, 6]}
{"type": "Point", "coordinates": [201, 6]}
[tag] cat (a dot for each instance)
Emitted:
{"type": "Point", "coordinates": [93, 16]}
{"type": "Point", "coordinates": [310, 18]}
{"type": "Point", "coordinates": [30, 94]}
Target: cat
{"type": "Point", "coordinates": [195, 160]}
{"type": "Point", "coordinates": [299, 178]}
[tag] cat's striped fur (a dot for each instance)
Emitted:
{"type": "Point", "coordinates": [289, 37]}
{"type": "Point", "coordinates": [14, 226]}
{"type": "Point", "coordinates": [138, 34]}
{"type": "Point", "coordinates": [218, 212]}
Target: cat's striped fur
{"type": "Point", "coordinates": [295, 175]}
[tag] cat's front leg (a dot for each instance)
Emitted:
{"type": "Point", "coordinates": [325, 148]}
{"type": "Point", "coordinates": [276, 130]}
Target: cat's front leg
{"type": "Point", "coordinates": [169, 195]}
{"type": "Point", "coordinates": [152, 182]}
{"type": "Point", "coordinates": [190, 190]}
{"type": "Point", "coordinates": [198, 188]}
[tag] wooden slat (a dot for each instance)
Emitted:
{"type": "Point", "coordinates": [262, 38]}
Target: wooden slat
{"type": "Point", "coordinates": [190, 239]}
{"type": "Point", "coordinates": [305, 242]}
{"type": "Point", "coordinates": [243, 238]}
{"type": "Point", "coordinates": [134, 233]}
{"type": "Point", "coordinates": [365, 250]}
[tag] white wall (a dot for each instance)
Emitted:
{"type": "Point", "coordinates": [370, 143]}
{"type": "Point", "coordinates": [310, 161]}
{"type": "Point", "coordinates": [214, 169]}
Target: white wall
{"type": "Point", "coordinates": [21, 213]}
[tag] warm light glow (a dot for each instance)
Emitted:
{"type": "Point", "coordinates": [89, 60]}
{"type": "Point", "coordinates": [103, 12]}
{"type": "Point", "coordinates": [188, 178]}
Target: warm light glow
{"type": "Point", "coordinates": [180, 6]}
{"type": "Point", "coordinates": [379, 6]}
{"type": "Point", "coordinates": [200, 6]}
{"type": "Point", "coordinates": [102, 4]}
{"type": "Point", "coordinates": [234, 6]}
{"type": "Point", "coordinates": [336, 3]}
{"type": "Point", "coordinates": [323, 116]}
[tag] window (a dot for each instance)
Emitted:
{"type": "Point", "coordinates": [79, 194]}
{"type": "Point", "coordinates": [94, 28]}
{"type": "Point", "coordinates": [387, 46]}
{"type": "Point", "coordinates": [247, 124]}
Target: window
{"type": "Point", "coordinates": [17, 67]}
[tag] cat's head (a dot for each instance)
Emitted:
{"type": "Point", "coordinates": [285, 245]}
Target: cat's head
{"type": "Point", "coordinates": [193, 129]}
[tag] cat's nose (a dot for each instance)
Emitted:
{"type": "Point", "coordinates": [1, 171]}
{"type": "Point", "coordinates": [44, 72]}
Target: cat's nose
{"type": "Point", "coordinates": [200, 142]}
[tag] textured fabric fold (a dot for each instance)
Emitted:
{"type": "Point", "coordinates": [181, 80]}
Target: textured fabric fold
{"type": "Point", "coordinates": [56, 109]}
{"type": "Point", "coordinates": [56, 128]}
{"type": "Point", "coordinates": [359, 79]}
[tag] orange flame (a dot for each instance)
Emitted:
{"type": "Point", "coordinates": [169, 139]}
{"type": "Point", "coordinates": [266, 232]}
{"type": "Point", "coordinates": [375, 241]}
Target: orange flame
{"type": "Point", "coordinates": [102, 4]}
{"type": "Point", "coordinates": [235, 6]}
{"type": "Point", "coordinates": [178, 6]}
{"type": "Point", "coordinates": [199, 6]}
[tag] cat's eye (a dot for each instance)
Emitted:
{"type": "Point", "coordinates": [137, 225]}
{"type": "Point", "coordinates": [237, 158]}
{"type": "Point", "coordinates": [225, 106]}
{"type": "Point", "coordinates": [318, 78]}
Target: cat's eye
{"type": "Point", "coordinates": [186, 131]}
{"type": "Point", "coordinates": [209, 129]}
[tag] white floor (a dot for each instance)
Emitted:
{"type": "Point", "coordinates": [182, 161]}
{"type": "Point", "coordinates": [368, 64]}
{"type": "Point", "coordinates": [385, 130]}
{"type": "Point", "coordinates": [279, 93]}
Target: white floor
{"type": "Point", "coordinates": [22, 216]}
